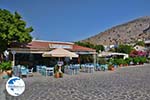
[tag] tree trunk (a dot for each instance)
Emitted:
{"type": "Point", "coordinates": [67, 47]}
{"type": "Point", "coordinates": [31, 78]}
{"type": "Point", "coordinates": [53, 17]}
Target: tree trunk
{"type": "Point", "coordinates": [1, 57]}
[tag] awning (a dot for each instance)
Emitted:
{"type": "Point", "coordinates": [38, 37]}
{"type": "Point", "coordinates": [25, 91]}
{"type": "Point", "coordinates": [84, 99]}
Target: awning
{"type": "Point", "coordinates": [59, 52]}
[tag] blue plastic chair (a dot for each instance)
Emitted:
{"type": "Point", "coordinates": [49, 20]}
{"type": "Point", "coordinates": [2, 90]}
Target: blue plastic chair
{"type": "Point", "coordinates": [49, 71]}
{"type": "Point", "coordinates": [24, 71]}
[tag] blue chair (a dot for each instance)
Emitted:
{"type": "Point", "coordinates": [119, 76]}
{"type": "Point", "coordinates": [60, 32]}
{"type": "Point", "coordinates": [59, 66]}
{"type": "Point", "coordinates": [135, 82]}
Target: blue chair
{"type": "Point", "coordinates": [38, 68]}
{"type": "Point", "coordinates": [30, 72]}
{"type": "Point", "coordinates": [98, 67]}
{"type": "Point", "coordinates": [104, 67]}
{"type": "Point", "coordinates": [15, 70]}
{"type": "Point", "coordinates": [24, 71]}
{"type": "Point", "coordinates": [43, 70]}
{"type": "Point", "coordinates": [76, 67]}
{"type": "Point", "coordinates": [83, 66]}
{"type": "Point", "coordinates": [49, 71]}
{"type": "Point", "coordinates": [69, 69]}
{"type": "Point", "coordinates": [115, 66]}
{"type": "Point", "coordinates": [90, 68]}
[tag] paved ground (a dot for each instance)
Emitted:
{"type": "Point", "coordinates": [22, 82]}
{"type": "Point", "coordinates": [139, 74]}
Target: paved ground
{"type": "Point", "coordinates": [130, 83]}
{"type": "Point", "coordinates": [2, 87]}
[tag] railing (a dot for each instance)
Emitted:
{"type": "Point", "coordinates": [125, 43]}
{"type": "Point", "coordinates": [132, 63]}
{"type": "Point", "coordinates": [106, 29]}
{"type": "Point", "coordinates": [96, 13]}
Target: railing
{"type": "Point", "coordinates": [45, 71]}
{"type": "Point", "coordinates": [72, 69]}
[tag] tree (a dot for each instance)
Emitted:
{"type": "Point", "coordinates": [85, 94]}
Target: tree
{"type": "Point", "coordinates": [124, 49]}
{"type": "Point", "coordinates": [140, 43]}
{"type": "Point", "coordinates": [89, 45]}
{"type": "Point", "coordinates": [12, 29]}
{"type": "Point", "coordinates": [99, 48]}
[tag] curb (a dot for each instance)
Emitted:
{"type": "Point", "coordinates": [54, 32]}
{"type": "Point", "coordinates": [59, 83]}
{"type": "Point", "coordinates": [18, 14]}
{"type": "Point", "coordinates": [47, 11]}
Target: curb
{"type": "Point", "coordinates": [2, 90]}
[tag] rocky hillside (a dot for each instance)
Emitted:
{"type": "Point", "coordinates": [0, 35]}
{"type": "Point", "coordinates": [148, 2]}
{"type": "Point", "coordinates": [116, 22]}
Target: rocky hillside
{"type": "Point", "coordinates": [125, 33]}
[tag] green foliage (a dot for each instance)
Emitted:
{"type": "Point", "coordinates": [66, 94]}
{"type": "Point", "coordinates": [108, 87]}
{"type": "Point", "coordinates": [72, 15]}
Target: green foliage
{"type": "Point", "coordinates": [56, 68]}
{"type": "Point", "coordinates": [85, 44]}
{"type": "Point", "coordinates": [61, 75]}
{"type": "Point", "coordinates": [128, 60]}
{"type": "Point", "coordinates": [112, 50]}
{"type": "Point", "coordinates": [142, 59]}
{"type": "Point", "coordinates": [110, 66]}
{"type": "Point", "coordinates": [124, 49]}
{"type": "Point", "coordinates": [12, 29]}
{"type": "Point", "coordinates": [5, 65]}
{"type": "Point", "coordinates": [114, 61]}
{"type": "Point", "coordinates": [139, 60]}
{"type": "Point", "coordinates": [119, 61]}
{"type": "Point", "coordinates": [102, 61]}
{"type": "Point", "coordinates": [99, 48]}
{"type": "Point", "coordinates": [86, 58]}
{"type": "Point", "coordinates": [140, 43]}
{"type": "Point", "coordinates": [136, 60]}
{"type": "Point", "coordinates": [89, 45]}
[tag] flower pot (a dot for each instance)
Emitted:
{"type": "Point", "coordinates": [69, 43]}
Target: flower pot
{"type": "Point", "coordinates": [57, 75]}
{"type": "Point", "coordinates": [126, 65]}
{"type": "Point", "coordinates": [121, 65]}
{"type": "Point", "coordinates": [112, 69]}
{"type": "Point", "coordinates": [60, 75]}
{"type": "Point", "coordinates": [9, 73]}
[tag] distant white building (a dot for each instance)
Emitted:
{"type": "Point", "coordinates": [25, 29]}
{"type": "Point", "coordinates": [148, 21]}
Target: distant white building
{"type": "Point", "coordinates": [106, 54]}
{"type": "Point", "coordinates": [108, 47]}
{"type": "Point", "coordinates": [139, 48]}
{"type": "Point", "coordinates": [147, 46]}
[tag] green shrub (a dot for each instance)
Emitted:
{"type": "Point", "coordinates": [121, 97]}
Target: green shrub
{"type": "Point", "coordinates": [121, 61]}
{"type": "Point", "coordinates": [110, 66]}
{"type": "Point", "coordinates": [136, 60]}
{"type": "Point", "coordinates": [56, 68]}
{"type": "Point", "coordinates": [128, 60]}
{"type": "Point", "coordinates": [102, 61]}
{"type": "Point", "coordinates": [142, 59]}
{"type": "Point", "coordinates": [5, 65]}
{"type": "Point", "coordinates": [114, 61]}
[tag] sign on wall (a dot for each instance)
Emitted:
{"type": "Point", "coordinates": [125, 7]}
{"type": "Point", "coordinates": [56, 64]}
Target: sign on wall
{"type": "Point", "coordinates": [60, 46]}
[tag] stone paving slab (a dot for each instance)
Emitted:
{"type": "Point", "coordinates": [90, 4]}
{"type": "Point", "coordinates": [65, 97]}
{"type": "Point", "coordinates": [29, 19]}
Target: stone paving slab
{"type": "Point", "coordinates": [129, 83]}
{"type": "Point", "coordinates": [2, 87]}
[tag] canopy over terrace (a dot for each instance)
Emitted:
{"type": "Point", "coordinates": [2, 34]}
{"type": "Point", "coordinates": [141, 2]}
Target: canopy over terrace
{"type": "Point", "coordinates": [105, 54]}
{"type": "Point", "coordinates": [38, 47]}
{"type": "Point", "coordinates": [59, 52]}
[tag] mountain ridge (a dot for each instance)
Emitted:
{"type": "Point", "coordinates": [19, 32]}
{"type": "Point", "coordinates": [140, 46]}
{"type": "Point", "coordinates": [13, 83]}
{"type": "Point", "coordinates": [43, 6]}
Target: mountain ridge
{"type": "Point", "coordinates": [128, 32]}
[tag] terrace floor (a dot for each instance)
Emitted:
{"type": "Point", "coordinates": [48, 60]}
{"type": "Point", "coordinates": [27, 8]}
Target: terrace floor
{"type": "Point", "coordinates": [128, 83]}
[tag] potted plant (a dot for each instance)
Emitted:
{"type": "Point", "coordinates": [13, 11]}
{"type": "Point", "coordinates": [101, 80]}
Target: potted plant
{"type": "Point", "coordinates": [128, 60]}
{"type": "Point", "coordinates": [57, 72]}
{"type": "Point", "coordinates": [56, 75]}
{"type": "Point", "coordinates": [60, 75]}
{"type": "Point", "coordinates": [6, 66]}
{"type": "Point", "coordinates": [136, 60]}
{"type": "Point", "coordinates": [111, 67]}
{"type": "Point", "coordinates": [120, 62]}
{"type": "Point", "coordinates": [142, 60]}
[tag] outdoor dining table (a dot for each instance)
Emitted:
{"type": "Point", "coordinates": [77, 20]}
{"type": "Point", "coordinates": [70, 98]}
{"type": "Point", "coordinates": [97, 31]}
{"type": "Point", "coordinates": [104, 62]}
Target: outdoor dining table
{"type": "Point", "coordinates": [72, 69]}
{"type": "Point", "coordinates": [89, 68]}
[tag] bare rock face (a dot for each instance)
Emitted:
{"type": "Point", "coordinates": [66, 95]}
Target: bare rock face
{"type": "Point", "coordinates": [125, 33]}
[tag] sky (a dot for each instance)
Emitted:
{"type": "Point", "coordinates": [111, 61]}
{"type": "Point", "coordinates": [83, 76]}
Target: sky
{"type": "Point", "coordinates": [74, 20]}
